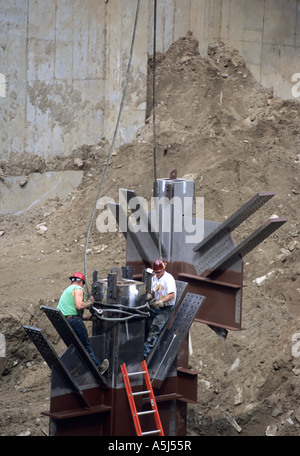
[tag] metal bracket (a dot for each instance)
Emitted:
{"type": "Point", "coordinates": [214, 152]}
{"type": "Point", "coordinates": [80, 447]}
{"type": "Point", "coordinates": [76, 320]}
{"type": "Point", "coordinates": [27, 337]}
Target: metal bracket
{"type": "Point", "coordinates": [218, 251]}
{"type": "Point", "coordinates": [249, 244]}
{"type": "Point", "coordinates": [169, 345]}
{"type": "Point", "coordinates": [235, 219]}
{"type": "Point", "coordinates": [180, 290]}
{"type": "Point", "coordinates": [70, 338]}
{"type": "Point", "coordinates": [53, 360]}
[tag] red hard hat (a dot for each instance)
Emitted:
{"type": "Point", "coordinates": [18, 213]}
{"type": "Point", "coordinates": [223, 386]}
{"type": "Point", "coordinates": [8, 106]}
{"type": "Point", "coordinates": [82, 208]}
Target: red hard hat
{"type": "Point", "coordinates": [159, 265]}
{"type": "Point", "coordinates": [78, 275]}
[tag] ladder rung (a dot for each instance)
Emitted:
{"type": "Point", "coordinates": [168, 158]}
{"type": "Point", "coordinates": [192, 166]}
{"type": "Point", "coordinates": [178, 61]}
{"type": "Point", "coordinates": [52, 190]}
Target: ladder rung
{"type": "Point", "coordinates": [130, 394]}
{"type": "Point", "coordinates": [146, 412]}
{"type": "Point", "coordinates": [136, 373]}
{"type": "Point", "coordinates": [157, 431]}
{"type": "Point", "coordinates": [138, 393]}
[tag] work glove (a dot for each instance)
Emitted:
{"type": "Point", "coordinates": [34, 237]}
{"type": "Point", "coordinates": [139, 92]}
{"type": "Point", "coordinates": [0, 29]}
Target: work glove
{"type": "Point", "coordinates": [89, 303]}
{"type": "Point", "coordinates": [157, 304]}
{"type": "Point", "coordinates": [149, 297]}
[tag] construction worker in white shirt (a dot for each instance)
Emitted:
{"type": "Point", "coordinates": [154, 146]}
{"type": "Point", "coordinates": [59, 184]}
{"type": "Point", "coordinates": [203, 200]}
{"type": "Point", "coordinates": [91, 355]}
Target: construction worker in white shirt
{"type": "Point", "coordinates": [163, 290]}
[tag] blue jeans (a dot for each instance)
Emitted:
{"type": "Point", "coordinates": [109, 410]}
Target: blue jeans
{"type": "Point", "coordinates": [80, 329]}
{"type": "Point", "coordinates": [159, 318]}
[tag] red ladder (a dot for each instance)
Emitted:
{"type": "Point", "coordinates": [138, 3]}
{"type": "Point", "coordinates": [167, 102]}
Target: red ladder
{"type": "Point", "coordinates": [149, 391]}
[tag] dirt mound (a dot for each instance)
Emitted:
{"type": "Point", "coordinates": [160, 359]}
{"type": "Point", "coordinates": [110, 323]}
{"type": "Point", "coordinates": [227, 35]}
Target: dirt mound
{"type": "Point", "coordinates": [217, 125]}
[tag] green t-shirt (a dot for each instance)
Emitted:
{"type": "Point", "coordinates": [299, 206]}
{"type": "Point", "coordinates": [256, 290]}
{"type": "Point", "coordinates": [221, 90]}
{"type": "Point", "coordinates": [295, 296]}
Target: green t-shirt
{"type": "Point", "coordinates": [66, 303]}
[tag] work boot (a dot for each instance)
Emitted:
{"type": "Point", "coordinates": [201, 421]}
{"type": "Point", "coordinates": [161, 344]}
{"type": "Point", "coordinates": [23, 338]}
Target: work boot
{"type": "Point", "coordinates": [104, 366]}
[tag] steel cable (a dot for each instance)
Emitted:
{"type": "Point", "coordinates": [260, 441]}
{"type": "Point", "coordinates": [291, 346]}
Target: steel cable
{"type": "Point", "coordinates": [112, 144]}
{"type": "Point", "coordinates": [154, 123]}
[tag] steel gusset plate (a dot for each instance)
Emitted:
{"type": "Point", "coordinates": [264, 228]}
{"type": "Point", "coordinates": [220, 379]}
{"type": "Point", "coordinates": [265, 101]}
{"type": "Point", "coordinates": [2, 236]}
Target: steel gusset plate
{"type": "Point", "coordinates": [52, 359]}
{"type": "Point", "coordinates": [43, 345]}
{"type": "Point", "coordinates": [180, 290]}
{"type": "Point", "coordinates": [221, 247]}
{"type": "Point", "coordinates": [70, 338]}
{"type": "Point", "coordinates": [169, 345]}
{"type": "Point", "coordinates": [235, 219]}
{"type": "Point", "coordinates": [218, 245]}
{"type": "Point", "coordinates": [250, 243]}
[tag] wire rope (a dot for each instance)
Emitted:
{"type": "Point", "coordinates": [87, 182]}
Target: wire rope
{"type": "Point", "coordinates": [112, 143]}
{"type": "Point", "coordinates": [154, 96]}
{"type": "Point", "coordinates": [154, 124]}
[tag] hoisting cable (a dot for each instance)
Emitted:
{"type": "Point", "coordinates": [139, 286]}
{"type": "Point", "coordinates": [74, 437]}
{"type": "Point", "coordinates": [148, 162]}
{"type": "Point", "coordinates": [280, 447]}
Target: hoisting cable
{"type": "Point", "coordinates": [154, 123]}
{"type": "Point", "coordinates": [154, 96]}
{"type": "Point", "coordinates": [112, 143]}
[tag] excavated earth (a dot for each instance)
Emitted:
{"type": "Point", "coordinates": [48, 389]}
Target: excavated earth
{"type": "Point", "coordinates": [216, 125]}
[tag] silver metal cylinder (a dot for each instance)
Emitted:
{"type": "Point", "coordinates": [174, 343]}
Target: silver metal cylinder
{"type": "Point", "coordinates": [130, 293]}
{"type": "Point", "coordinates": [171, 188]}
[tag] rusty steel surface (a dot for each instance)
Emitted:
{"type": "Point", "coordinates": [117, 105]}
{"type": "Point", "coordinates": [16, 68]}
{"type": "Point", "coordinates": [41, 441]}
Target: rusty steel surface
{"type": "Point", "coordinates": [209, 281]}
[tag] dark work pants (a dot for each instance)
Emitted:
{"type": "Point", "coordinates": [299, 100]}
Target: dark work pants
{"type": "Point", "coordinates": [158, 319]}
{"type": "Point", "coordinates": [80, 329]}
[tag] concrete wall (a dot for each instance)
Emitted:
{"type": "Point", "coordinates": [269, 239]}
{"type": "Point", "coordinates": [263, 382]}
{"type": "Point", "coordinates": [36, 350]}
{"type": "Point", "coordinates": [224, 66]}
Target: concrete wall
{"type": "Point", "coordinates": [266, 33]}
{"type": "Point", "coordinates": [63, 62]}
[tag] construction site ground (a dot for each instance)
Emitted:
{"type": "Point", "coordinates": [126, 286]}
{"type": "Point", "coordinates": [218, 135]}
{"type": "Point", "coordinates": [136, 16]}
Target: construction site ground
{"type": "Point", "coordinates": [216, 125]}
